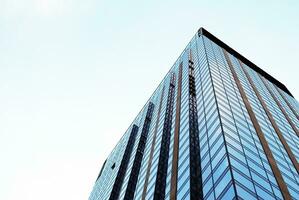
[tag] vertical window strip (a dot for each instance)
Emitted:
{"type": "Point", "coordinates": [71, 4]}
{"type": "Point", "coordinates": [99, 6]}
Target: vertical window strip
{"type": "Point", "coordinates": [264, 143]}
{"type": "Point", "coordinates": [288, 103]}
{"type": "Point", "coordinates": [152, 147]}
{"type": "Point", "coordinates": [174, 171]}
{"type": "Point", "coordinates": [101, 170]}
{"type": "Point", "coordinates": [280, 106]}
{"type": "Point", "coordinates": [196, 191]}
{"type": "Point", "coordinates": [124, 164]}
{"type": "Point", "coordinates": [130, 190]}
{"type": "Point", "coordinates": [253, 134]}
{"type": "Point", "coordinates": [226, 89]}
{"type": "Point", "coordinates": [284, 105]}
{"type": "Point", "coordinates": [218, 112]}
{"type": "Point", "coordinates": [160, 184]}
{"type": "Point", "coordinates": [270, 117]}
{"type": "Point", "coordinates": [202, 100]}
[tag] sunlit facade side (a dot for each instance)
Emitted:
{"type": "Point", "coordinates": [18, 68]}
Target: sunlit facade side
{"type": "Point", "coordinates": [216, 127]}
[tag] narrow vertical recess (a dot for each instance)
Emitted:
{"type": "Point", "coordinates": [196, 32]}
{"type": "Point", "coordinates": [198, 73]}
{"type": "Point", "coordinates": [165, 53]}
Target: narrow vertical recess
{"type": "Point", "coordinates": [175, 156]}
{"type": "Point", "coordinates": [152, 147]}
{"type": "Point", "coordinates": [160, 184]}
{"type": "Point", "coordinates": [101, 170]}
{"type": "Point", "coordinates": [124, 164]}
{"type": "Point", "coordinates": [129, 195]}
{"type": "Point", "coordinates": [280, 107]}
{"type": "Point", "coordinates": [288, 103]}
{"type": "Point", "coordinates": [270, 117]}
{"type": "Point", "coordinates": [260, 134]}
{"type": "Point", "coordinates": [195, 165]}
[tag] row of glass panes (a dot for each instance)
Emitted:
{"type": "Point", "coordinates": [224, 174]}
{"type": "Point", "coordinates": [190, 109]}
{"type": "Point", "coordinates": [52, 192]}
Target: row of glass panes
{"type": "Point", "coordinates": [274, 143]}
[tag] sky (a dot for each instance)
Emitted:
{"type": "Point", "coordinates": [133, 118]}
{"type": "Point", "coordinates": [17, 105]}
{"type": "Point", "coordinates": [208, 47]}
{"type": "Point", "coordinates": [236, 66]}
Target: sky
{"type": "Point", "coordinates": [74, 74]}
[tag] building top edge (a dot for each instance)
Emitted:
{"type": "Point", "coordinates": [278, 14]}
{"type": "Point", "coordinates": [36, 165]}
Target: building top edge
{"type": "Point", "coordinates": [206, 33]}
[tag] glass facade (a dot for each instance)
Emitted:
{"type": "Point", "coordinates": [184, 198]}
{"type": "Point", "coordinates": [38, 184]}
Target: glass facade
{"type": "Point", "coordinates": [217, 127]}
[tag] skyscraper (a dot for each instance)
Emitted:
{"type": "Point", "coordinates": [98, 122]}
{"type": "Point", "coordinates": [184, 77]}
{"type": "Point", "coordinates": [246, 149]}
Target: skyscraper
{"type": "Point", "coordinates": [217, 127]}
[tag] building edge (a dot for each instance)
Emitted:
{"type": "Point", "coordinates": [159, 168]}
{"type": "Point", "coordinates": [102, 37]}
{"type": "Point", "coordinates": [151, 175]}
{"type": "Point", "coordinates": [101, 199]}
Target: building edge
{"type": "Point", "coordinates": [203, 31]}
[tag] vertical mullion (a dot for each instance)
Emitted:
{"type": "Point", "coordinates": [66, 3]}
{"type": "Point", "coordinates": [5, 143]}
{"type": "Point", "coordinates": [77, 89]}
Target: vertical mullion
{"type": "Point", "coordinates": [102, 169]}
{"type": "Point", "coordinates": [174, 171]}
{"type": "Point", "coordinates": [152, 147]}
{"type": "Point", "coordinates": [262, 138]}
{"type": "Point", "coordinates": [160, 184]}
{"type": "Point", "coordinates": [124, 164]}
{"type": "Point", "coordinates": [129, 195]}
{"type": "Point", "coordinates": [270, 117]}
{"type": "Point", "coordinates": [280, 107]}
{"type": "Point", "coordinates": [288, 103]}
{"type": "Point", "coordinates": [221, 124]}
{"type": "Point", "coordinates": [196, 191]}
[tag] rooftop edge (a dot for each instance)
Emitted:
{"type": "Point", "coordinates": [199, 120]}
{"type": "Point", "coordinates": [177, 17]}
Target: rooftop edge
{"type": "Point", "coordinates": [206, 33]}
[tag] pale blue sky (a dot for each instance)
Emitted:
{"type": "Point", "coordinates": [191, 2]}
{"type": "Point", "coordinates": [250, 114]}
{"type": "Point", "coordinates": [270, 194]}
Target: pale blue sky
{"type": "Point", "coordinates": [74, 74]}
